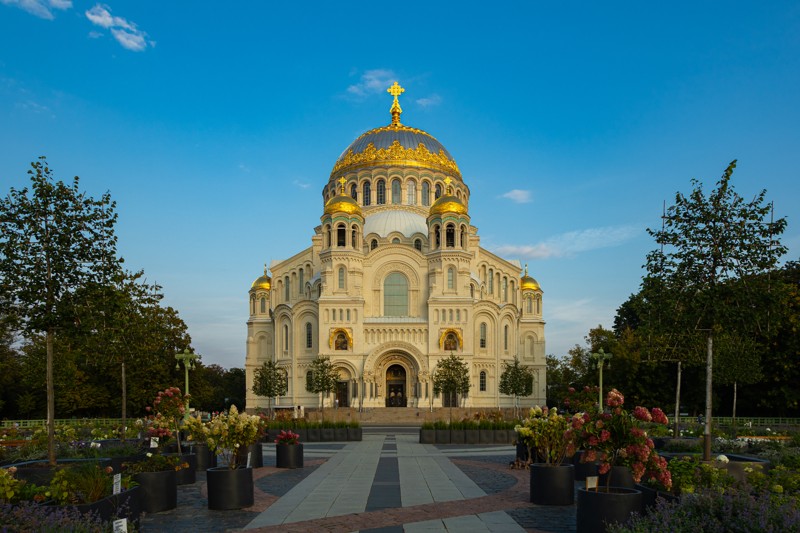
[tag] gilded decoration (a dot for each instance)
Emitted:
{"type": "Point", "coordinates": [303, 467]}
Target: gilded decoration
{"type": "Point", "coordinates": [397, 154]}
{"type": "Point", "coordinates": [264, 282]}
{"type": "Point", "coordinates": [528, 283]}
{"type": "Point", "coordinates": [446, 337]}
{"type": "Point", "coordinates": [340, 339]}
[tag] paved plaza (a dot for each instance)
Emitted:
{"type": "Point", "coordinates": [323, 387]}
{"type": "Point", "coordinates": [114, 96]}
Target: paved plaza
{"type": "Point", "coordinates": [387, 482]}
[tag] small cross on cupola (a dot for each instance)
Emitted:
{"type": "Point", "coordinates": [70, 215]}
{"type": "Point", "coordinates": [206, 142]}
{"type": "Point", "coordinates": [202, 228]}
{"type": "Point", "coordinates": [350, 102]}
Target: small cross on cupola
{"type": "Point", "coordinates": [395, 90]}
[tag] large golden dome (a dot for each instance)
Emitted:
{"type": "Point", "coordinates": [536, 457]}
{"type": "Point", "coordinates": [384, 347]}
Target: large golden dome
{"type": "Point", "coordinates": [341, 203]}
{"type": "Point", "coordinates": [396, 145]}
{"type": "Point", "coordinates": [448, 203]}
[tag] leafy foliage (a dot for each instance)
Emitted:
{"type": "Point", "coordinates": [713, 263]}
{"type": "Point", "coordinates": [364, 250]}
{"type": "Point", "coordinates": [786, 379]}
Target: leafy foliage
{"type": "Point", "coordinates": [516, 380]}
{"type": "Point", "coordinates": [270, 381]}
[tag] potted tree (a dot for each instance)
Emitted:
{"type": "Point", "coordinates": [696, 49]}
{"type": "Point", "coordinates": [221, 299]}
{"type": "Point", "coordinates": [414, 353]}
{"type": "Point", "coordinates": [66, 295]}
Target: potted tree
{"type": "Point", "coordinates": [617, 438]}
{"type": "Point", "coordinates": [197, 433]}
{"type": "Point", "coordinates": [169, 408]}
{"type": "Point", "coordinates": [548, 434]}
{"type": "Point", "coordinates": [231, 486]}
{"type": "Point", "coordinates": [157, 477]}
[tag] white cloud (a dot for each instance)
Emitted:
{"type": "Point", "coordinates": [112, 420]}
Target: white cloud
{"type": "Point", "coordinates": [40, 8]}
{"type": "Point", "coordinates": [125, 32]}
{"type": "Point", "coordinates": [571, 243]}
{"type": "Point", "coordinates": [518, 195]}
{"type": "Point", "coordinates": [430, 101]}
{"type": "Point", "coordinates": [301, 184]}
{"type": "Point", "coordinates": [372, 82]}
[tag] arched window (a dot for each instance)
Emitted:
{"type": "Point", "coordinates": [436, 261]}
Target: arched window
{"type": "Point", "coordinates": [348, 315]}
{"type": "Point", "coordinates": [396, 240]}
{"type": "Point", "coordinates": [341, 235]}
{"type": "Point", "coordinates": [451, 278]}
{"type": "Point", "coordinates": [354, 191]}
{"type": "Point", "coordinates": [263, 305]}
{"type": "Point", "coordinates": [472, 291]}
{"type": "Point", "coordinates": [373, 244]}
{"type": "Point", "coordinates": [396, 193]}
{"type": "Point", "coordinates": [395, 295]}
{"type": "Point", "coordinates": [438, 191]}
{"type": "Point", "coordinates": [252, 306]}
{"type": "Point", "coordinates": [491, 282]}
{"type": "Point", "coordinates": [418, 244]}
{"type": "Point", "coordinates": [327, 232]}
{"type": "Point", "coordinates": [483, 381]}
{"type": "Point", "coordinates": [529, 304]}
{"type": "Point", "coordinates": [300, 282]}
{"type": "Point", "coordinates": [366, 194]}
{"type": "Point", "coordinates": [381, 192]}
{"type": "Point", "coordinates": [437, 236]}
{"type": "Point", "coordinates": [505, 289]}
{"type": "Point", "coordinates": [538, 305]}
{"type": "Point", "coordinates": [287, 292]}
{"type": "Point", "coordinates": [450, 236]}
{"type": "Point", "coordinates": [354, 238]}
{"type": "Point", "coordinates": [341, 278]}
{"type": "Point", "coordinates": [309, 380]}
{"type": "Point", "coordinates": [411, 193]}
{"type": "Point", "coordinates": [285, 338]}
{"type": "Point", "coordinates": [505, 337]}
{"type": "Point", "coordinates": [483, 335]}
{"type": "Point", "coordinates": [464, 237]}
{"type": "Point", "coordinates": [309, 335]}
{"type": "Point", "coordinates": [426, 193]}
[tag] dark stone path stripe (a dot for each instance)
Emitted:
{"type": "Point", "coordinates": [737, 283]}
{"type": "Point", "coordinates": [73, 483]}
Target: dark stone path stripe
{"type": "Point", "coordinates": [385, 492]}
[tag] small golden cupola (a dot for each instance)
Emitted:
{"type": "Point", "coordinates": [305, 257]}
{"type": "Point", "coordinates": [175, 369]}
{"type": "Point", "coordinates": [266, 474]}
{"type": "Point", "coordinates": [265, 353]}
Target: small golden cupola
{"type": "Point", "coordinates": [264, 282]}
{"type": "Point", "coordinates": [447, 203]}
{"type": "Point", "coordinates": [341, 203]}
{"type": "Point", "coordinates": [528, 283]}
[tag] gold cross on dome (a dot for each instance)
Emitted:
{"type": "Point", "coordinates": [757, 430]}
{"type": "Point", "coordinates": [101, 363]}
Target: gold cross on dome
{"type": "Point", "coordinates": [395, 90]}
{"type": "Point", "coordinates": [342, 181]}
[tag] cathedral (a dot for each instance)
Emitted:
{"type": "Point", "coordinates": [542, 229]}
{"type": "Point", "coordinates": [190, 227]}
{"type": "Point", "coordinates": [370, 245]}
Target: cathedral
{"type": "Point", "coordinates": [395, 280]}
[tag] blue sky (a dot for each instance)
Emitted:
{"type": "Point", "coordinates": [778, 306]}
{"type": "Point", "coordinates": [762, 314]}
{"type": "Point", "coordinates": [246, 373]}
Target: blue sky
{"type": "Point", "coordinates": [215, 125]}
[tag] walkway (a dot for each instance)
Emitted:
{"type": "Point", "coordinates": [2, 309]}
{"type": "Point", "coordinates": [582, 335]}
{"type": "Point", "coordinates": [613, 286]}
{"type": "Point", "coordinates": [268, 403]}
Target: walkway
{"type": "Point", "coordinates": [387, 483]}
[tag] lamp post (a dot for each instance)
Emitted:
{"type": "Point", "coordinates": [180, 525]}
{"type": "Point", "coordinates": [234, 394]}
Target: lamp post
{"type": "Point", "coordinates": [188, 359]}
{"type": "Point", "coordinates": [600, 358]}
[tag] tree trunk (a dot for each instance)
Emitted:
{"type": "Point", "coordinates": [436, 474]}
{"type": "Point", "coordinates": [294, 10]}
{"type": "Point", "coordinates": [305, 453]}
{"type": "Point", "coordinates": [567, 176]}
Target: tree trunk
{"type": "Point", "coordinates": [709, 373]}
{"type": "Point", "coordinates": [51, 401]}
{"type": "Point", "coordinates": [677, 431]}
{"type": "Point", "coordinates": [124, 402]}
{"type": "Point", "coordinates": [735, 390]}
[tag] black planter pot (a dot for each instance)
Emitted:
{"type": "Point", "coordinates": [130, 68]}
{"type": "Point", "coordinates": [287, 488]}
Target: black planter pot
{"type": "Point", "coordinates": [256, 452]}
{"type": "Point", "coordinates": [650, 496]}
{"type": "Point", "coordinates": [501, 436]}
{"type": "Point", "coordinates": [39, 472]}
{"type": "Point", "coordinates": [117, 462]}
{"type": "Point", "coordinates": [303, 432]}
{"type": "Point", "coordinates": [340, 434]}
{"type": "Point", "coordinates": [472, 436]}
{"type": "Point", "coordinates": [427, 436]}
{"type": "Point", "coordinates": [582, 470]}
{"type": "Point", "coordinates": [185, 476]}
{"type": "Point", "coordinates": [159, 490]}
{"type": "Point", "coordinates": [355, 434]}
{"type": "Point", "coordinates": [326, 435]}
{"type": "Point", "coordinates": [597, 508]}
{"type": "Point", "coordinates": [229, 488]}
{"type": "Point", "coordinates": [123, 505]}
{"type": "Point", "coordinates": [205, 457]}
{"type": "Point", "coordinates": [522, 452]}
{"type": "Point", "coordinates": [457, 436]}
{"type": "Point", "coordinates": [313, 434]}
{"type": "Point", "coordinates": [289, 455]}
{"type": "Point", "coordinates": [552, 485]}
{"type": "Point", "coordinates": [442, 436]}
{"type": "Point", "coordinates": [486, 436]}
{"type": "Point", "coordinates": [621, 476]}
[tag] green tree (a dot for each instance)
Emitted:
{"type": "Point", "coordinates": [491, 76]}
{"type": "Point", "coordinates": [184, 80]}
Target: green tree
{"type": "Point", "coordinates": [270, 381]}
{"type": "Point", "coordinates": [234, 382]}
{"type": "Point", "coordinates": [54, 239]}
{"type": "Point", "coordinates": [451, 378]}
{"type": "Point", "coordinates": [322, 379]}
{"type": "Point", "coordinates": [560, 377]}
{"type": "Point", "coordinates": [516, 380]}
{"type": "Point", "coordinates": [713, 250]}
{"type": "Point", "coordinates": [10, 374]}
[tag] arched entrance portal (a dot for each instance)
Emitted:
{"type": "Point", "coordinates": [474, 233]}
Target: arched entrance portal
{"type": "Point", "coordinates": [396, 389]}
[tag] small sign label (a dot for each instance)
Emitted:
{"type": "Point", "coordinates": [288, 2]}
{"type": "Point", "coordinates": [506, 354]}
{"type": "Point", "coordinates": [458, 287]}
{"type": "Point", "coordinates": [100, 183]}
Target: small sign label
{"type": "Point", "coordinates": [154, 442]}
{"type": "Point", "coordinates": [121, 525]}
{"type": "Point", "coordinates": [117, 483]}
{"type": "Point", "coordinates": [249, 455]}
{"type": "Point", "coordinates": [591, 482]}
